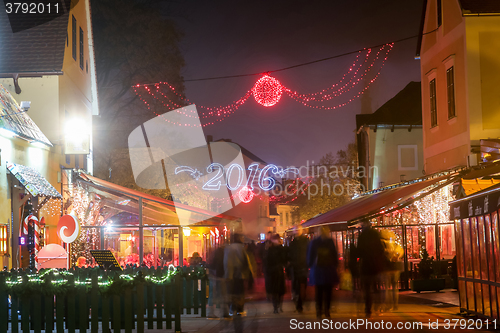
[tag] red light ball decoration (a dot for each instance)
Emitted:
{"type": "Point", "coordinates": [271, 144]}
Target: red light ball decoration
{"type": "Point", "coordinates": [267, 91]}
{"type": "Point", "coordinates": [245, 194]}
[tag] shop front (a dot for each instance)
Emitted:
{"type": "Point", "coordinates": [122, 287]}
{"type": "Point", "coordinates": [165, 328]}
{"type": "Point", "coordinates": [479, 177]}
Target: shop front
{"type": "Point", "coordinates": [414, 215]}
{"type": "Point", "coordinates": [139, 229]}
{"type": "Point", "coordinates": [478, 251]}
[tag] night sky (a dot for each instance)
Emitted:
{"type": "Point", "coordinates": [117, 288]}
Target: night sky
{"type": "Point", "coordinates": [232, 37]}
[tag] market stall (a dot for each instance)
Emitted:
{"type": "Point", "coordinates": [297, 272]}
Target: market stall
{"type": "Point", "coordinates": [140, 229]}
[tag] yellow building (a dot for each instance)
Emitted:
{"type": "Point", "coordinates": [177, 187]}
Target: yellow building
{"type": "Point", "coordinates": [52, 66]}
{"type": "Point", "coordinates": [460, 77]}
{"type": "Point", "coordinates": [389, 141]}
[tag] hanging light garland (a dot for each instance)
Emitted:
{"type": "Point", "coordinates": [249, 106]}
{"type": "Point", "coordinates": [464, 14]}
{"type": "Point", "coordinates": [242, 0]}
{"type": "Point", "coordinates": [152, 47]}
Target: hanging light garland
{"type": "Point", "coordinates": [268, 91]}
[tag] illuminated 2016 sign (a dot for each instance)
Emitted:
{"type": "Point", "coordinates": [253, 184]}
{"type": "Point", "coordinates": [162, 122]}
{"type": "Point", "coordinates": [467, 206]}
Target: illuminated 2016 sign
{"type": "Point", "coordinates": [264, 180]}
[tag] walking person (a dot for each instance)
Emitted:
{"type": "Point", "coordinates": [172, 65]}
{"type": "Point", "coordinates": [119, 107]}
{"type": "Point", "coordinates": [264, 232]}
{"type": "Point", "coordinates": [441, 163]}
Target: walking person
{"type": "Point", "coordinates": [373, 262]}
{"type": "Point", "coordinates": [322, 258]}
{"type": "Point", "coordinates": [275, 272]}
{"type": "Point", "coordinates": [217, 292]}
{"type": "Point", "coordinates": [297, 256]}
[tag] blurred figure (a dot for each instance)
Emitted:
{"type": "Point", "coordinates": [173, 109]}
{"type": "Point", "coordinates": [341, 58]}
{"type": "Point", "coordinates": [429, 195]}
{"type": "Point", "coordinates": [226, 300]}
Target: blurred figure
{"type": "Point", "coordinates": [81, 262]}
{"type": "Point", "coordinates": [371, 253]}
{"type": "Point", "coordinates": [353, 265]}
{"type": "Point", "coordinates": [322, 258]}
{"type": "Point", "coordinates": [251, 249]}
{"type": "Point", "coordinates": [275, 275]}
{"type": "Point", "coordinates": [297, 256]}
{"type": "Point", "coordinates": [217, 293]}
{"type": "Point", "coordinates": [236, 270]}
{"type": "Point", "coordinates": [195, 260]}
{"type": "Point", "coordinates": [263, 254]}
{"type": "Point", "coordinates": [393, 253]}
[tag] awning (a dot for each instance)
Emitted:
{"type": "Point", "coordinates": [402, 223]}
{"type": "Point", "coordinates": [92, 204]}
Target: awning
{"type": "Point", "coordinates": [472, 186]}
{"type": "Point", "coordinates": [376, 203]}
{"type": "Point", "coordinates": [33, 181]}
{"type": "Point", "coordinates": [480, 203]}
{"type": "Point", "coordinates": [156, 208]}
{"type": "Point", "coordinates": [17, 121]}
{"type": "Point", "coordinates": [487, 169]}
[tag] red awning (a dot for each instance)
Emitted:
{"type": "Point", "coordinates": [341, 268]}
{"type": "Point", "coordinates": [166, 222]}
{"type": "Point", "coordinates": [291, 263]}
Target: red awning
{"type": "Point", "coordinates": [370, 204]}
{"type": "Point", "coordinates": [166, 203]}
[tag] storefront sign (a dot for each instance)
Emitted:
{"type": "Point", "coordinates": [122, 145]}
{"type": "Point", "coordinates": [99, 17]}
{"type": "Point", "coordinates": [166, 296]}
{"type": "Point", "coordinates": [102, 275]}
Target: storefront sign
{"type": "Point", "coordinates": [68, 228]}
{"type": "Point", "coordinates": [475, 206]}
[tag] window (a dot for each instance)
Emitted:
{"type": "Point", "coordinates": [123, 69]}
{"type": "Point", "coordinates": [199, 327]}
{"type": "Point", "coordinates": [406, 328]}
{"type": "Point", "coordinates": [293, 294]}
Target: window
{"type": "Point", "coordinates": [450, 78]}
{"type": "Point", "coordinates": [439, 13]}
{"type": "Point", "coordinates": [287, 218]}
{"type": "Point", "coordinates": [432, 90]}
{"type": "Point", "coordinates": [281, 219]}
{"type": "Point", "coordinates": [73, 35]}
{"type": "Point", "coordinates": [4, 236]}
{"type": "Point", "coordinates": [81, 48]}
{"type": "Point", "coordinates": [407, 157]}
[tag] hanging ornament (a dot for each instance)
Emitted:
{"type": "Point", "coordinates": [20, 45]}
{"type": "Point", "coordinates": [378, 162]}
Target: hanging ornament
{"type": "Point", "coordinates": [245, 194]}
{"type": "Point", "coordinates": [267, 91]}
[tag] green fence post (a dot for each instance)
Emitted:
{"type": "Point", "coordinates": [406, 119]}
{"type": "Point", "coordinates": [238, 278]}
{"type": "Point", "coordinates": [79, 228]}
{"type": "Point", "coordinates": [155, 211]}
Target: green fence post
{"type": "Point", "coordinates": [37, 312]}
{"type": "Point", "coordinates": [105, 307]}
{"type": "Point", "coordinates": [49, 305]}
{"type": "Point", "coordinates": [140, 307]}
{"type": "Point", "coordinates": [71, 318]}
{"type": "Point", "coordinates": [178, 302]}
{"type": "Point", "coordinates": [203, 297]}
{"type": "Point", "coordinates": [60, 300]}
{"type": "Point", "coordinates": [168, 303]}
{"type": "Point", "coordinates": [129, 313]}
{"type": "Point", "coordinates": [94, 303]}
{"type": "Point", "coordinates": [196, 295]}
{"type": "Point", "coordinates": [14, 314]}
{"type": "Point", "coordinates": [82, 300]}
{"type": "Point", "coordinates": [4, 305]}
{"type": "Point", "coordinates": [25, 308]}
{"type": "Point", "coordinates": [150, 303]}
{"type": "Point", "coordinates": [159, 301]}
{"type": "Point", "coordinates": [116, 313]}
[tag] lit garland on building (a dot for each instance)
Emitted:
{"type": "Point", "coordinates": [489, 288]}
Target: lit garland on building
{"type": "Point", "coordinates": [267, 91]}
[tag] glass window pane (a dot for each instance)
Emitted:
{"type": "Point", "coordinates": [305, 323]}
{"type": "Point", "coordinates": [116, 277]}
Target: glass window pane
{"type": "Point", "coordinates": [479, 297]}
{"type": "Point", "coordinates": [447, 241]}
{"type": "Point", "coordinates": [124, 244]}
{"type": "Point", "coordinates": [489, 245]}
{"type": "Point", "coordinates": [486, 300]}
{"type": "Point", "coordinates": [493, 300]}
{"type": "Point", "coordinates": [483, 251]}
{"type": "Point", "coordinates": [471, 303]}
{"type": "Point", "coordinates": [495, 241]}
{"type": "Point", "coordinates": [462, 294]}
{"type": "Point", "coordinates": [459, 248]}
{"type": "Point", "coordinates": [475, 248]}
{"type": "Point", "coordinates": [467, 248]}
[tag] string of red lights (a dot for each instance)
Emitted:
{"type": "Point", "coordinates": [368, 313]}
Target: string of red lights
{"type": "Point", "coordinates": [268, 91]}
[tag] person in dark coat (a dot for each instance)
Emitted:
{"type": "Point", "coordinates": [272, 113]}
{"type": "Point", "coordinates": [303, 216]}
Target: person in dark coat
{"type": "Point", "coordinates": [297, 256]}
{"type": "Point", "coordinates": [217, 291]}
{"type": "Point", "coordinates": [275, 272]}
{"type": "Point", "coordinates": [322, 258]}
{"type": "Point", "coordinates": [373, 261]}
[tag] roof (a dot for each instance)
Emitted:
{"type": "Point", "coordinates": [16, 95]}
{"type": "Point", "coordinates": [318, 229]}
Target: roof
{"type": "Point", "coordinates": [157, 201]}
{"type": "Point", "coordinates": [403, 109]}
{"type": "Point", "coordinates": [17, 121]}
{"type": "Point", "coordinates": [33, 181]}
{"type": "Point", "coordinates": [368, 205]}
{"type": "Point", "coordinates": [245, 152]}
{"type": "Point", "coordinates": [480, 7]}
{"type": "Point", "coordinates": [39, 49]}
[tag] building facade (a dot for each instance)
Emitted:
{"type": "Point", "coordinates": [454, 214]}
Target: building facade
{"type": "Point", "coordinates": [458, 54]}
{"type": "Point", "coordinates": [51, 65]}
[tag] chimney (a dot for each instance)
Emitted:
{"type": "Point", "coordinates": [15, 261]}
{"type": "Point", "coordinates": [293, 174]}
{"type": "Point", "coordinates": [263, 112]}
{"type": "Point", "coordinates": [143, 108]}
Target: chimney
{"type": "Point", "coordinates": [210, 138]}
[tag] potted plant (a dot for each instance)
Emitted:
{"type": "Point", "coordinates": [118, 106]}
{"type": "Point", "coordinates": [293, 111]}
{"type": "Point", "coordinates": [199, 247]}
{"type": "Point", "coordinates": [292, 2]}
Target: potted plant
{"type": "Point", "coordinates": [427, 281]}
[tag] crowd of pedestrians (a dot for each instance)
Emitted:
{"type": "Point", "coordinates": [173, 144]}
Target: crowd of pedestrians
{"type": "Point", "coordinates": [373, 265]}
